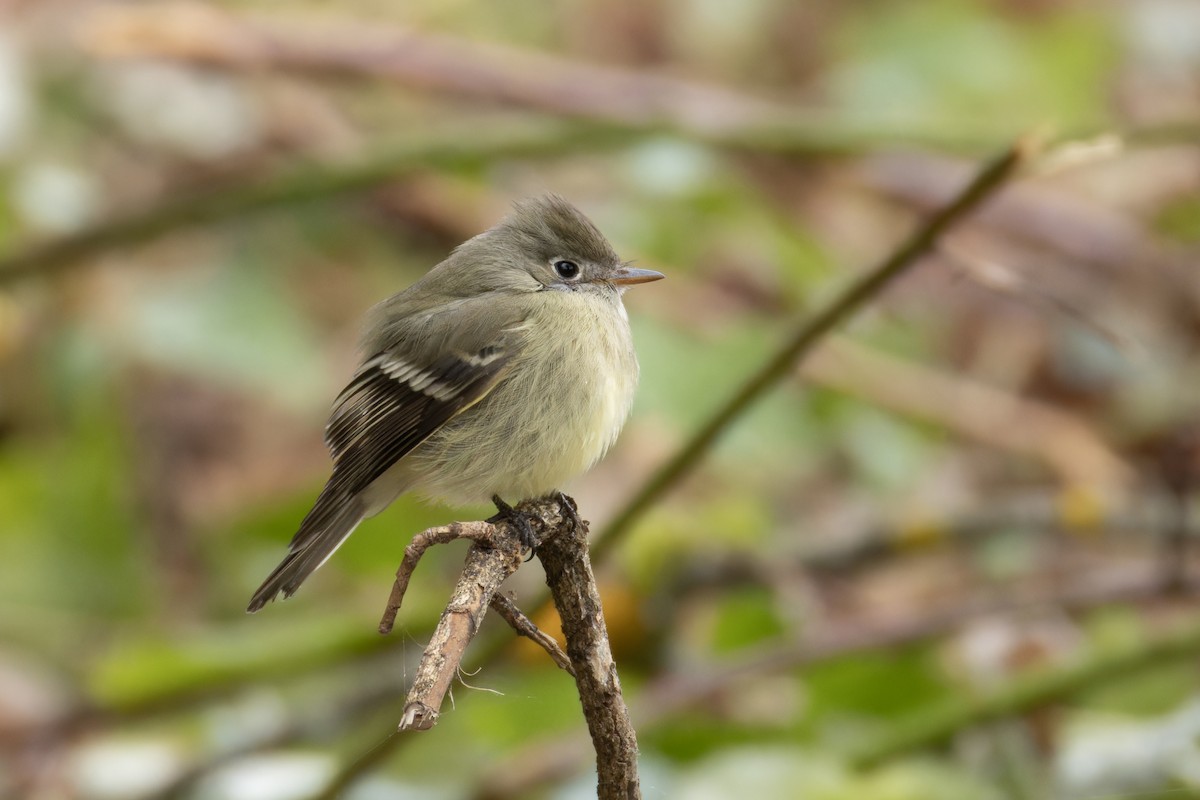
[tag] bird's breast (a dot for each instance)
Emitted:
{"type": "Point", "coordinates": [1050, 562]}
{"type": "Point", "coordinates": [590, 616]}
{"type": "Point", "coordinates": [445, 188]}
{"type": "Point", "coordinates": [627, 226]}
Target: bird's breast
{"type": "Point", "coordinates": [561, 406]}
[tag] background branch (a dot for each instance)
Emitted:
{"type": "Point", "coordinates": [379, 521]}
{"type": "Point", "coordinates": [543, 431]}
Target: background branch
{"type": "Point", "coordinates": [1031, 691]}
{"type": "Point", "coordinates": [812, 330]}
{"type": "Point", "coordinates": [304, 184]}
{"type": "Point", "coordinates": [494, 73]}
{"type": "Point", "coordinates": [1005, 422]}
{"type": "Point", "coordinates": [714, 687]}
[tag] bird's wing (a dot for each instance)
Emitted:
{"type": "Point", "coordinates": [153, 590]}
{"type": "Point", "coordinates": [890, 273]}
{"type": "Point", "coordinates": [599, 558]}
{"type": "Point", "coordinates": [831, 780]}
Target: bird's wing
{"type": "Point", "coordinates": [402, 395]}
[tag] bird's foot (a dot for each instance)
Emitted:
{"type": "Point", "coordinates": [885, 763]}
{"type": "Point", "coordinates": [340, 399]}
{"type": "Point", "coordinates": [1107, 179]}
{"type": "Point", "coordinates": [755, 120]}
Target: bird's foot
{"type": "Point", "coordinates": [570, 509]}
{"type": "Point", "coordinates": [519, 521]}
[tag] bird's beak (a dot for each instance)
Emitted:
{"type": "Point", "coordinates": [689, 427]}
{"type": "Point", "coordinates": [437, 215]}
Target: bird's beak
{"type": "Point", "coordinates": [627, 276]}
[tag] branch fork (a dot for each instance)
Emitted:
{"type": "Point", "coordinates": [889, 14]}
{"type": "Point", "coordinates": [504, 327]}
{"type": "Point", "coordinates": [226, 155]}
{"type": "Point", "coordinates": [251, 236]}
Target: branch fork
{"type": "Point", "coordinates": [496, 553]}
{"type": "Point", "coordinates": [560, 542]}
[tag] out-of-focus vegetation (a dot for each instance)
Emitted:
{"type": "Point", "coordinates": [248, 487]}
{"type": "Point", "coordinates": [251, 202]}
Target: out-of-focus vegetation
{"type": "Point", "coordinates": [947, 560]}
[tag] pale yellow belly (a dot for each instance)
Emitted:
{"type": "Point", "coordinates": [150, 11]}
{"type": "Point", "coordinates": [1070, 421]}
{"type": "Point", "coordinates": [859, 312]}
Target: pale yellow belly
{"type": "Point", "coordinates": [561, 407]}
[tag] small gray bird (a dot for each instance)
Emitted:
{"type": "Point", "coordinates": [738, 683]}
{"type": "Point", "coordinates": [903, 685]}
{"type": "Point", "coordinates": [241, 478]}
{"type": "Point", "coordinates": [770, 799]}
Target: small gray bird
{"type": "Point", "coordinates": [505, 371]}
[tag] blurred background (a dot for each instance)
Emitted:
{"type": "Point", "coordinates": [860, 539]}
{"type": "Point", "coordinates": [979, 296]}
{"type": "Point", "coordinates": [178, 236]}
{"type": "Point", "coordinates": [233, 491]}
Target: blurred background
{"type": "Point", "coordinates": [948, 558]}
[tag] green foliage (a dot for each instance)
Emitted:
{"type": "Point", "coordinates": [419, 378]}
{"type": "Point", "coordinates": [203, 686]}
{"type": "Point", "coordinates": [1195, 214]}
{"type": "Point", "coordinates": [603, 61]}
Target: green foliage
{"type": "Point", "coordinates": [920, 780]}
{"type": "Point", "coordinates": [1181, 220]}
{"type": "Point", "coordinates": [138, 672]}
{"type": "Point", "coordinates": [686, 378]}
{"type": "Point", "coordinates": [864, 685]}
{"type": "Point", "coordinates": [745, 618]}
{"type": "Point", "coordinates": [234, 322]}
{"type": "Point", "coordinates": [666, 542]}
{"type": "Point", "coordinates": [68, 522]}
{"type": "Point", "coordinates": [947, 60]}
{"type": "Point", "coordinates": [692, 736]}
{"type": "Point", "coordinates": [1150, 692]}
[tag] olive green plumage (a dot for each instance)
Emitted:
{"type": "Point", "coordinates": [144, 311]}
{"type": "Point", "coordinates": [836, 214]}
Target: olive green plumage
{"type": "Point", "coordinates": [507, 370]}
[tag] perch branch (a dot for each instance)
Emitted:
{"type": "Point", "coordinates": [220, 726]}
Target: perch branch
{"type": "Point", "coordinates": [494, 555]}
{"type": "Point", "coordinates": [478, 532]}
{"type": "Point", "coordinates": [573, 587]}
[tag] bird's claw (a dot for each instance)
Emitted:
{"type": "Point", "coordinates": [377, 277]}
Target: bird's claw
{"type": "Point", "coordinates": [569, 509]}
{"type": "Point", "coordinates": [520, 523]}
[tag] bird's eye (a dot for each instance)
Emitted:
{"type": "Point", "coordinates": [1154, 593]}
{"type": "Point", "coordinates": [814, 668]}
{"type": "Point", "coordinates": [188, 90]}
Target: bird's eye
{"type": "Point", "coordinates": [566, 269]}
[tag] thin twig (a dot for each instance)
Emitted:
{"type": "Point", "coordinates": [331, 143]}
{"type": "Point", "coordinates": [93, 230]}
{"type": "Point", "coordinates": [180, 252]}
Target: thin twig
{"type": "Point", "coordinates": [481, 533]}
{"type": "Point", "coordinates": [986, 183]}
{"type": "Point", "coordinates": [495, 555]}
{"type": "Point", "coordinates": [1083, 232]}
{"type": "Point", "coordinates": [503, 605]}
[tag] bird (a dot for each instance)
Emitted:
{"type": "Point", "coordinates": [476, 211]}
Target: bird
{"type": "Point", "coordinates": [505, 371]}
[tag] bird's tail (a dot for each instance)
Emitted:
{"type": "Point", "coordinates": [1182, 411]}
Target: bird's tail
{"type": "Point", "coordinates": [332, 519]}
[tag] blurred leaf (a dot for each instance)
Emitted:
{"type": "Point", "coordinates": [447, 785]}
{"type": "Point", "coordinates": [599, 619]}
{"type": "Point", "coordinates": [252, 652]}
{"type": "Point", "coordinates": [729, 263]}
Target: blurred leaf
{"type": "Point", "coordinates": [1151, 690]}
{"type": "Point", "coordinates": [140, 670]}
{"type": "Point", "coordinates": [1147, 693]}
{"type": "Point", "coordinates": [1181, 220]}
{"type": "Point", "coordinates": [764, 773]}
{"type": "Point", "coordinates": [233, 322]}
{"type": "Point", "coordinates": [886, 450]}
{"type": "Point", "coordinates": [958, 61]}
{"type": "Point", "coordinates": [1115, 627]}
{"type": "Point", "coordinates": [67, 520]}
{"type": "Point", "coordinates": [884, 684]}
{"type": "Point", "coordinates": [922, 779]}
{"type": "Point", "coordinates": [745, 618]}
{"type": "Point", "coordinates": [685, 379]}
{"type": "Point", "coordinates": [494, 712]}
{"type": "Point", "coordinates": [691, 736]}
{"type": "Point", "coordinates": [666, 541]}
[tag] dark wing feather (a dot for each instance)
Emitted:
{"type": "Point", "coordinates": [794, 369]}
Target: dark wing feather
{"type": "Point", "coordinates": [392, 405]}
{"type": "Point", "coordinates": [426, 368]}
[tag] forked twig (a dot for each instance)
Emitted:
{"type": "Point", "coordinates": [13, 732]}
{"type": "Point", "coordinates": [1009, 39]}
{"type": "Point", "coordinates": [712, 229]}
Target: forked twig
{"type": "Point", "coordinates": [494, 555]}
{"type": "Point", "coordinates": [481, 533]}
{"type": "Point", "coordinates": [523, 625]}
{"type": "Point", "coordinates": [560, 541]}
